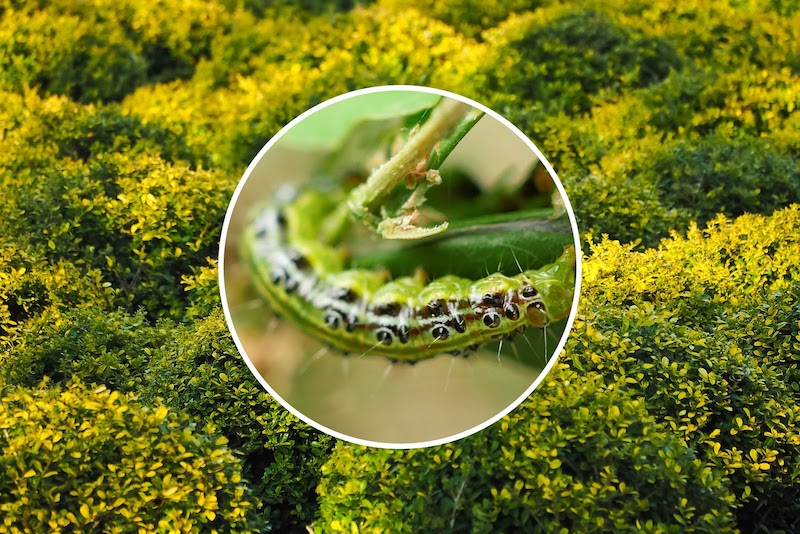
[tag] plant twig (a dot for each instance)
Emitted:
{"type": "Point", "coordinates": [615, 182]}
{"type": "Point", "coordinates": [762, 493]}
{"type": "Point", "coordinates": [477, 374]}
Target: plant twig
{"type": "Point", "coordinates": [457, 496]}
{"type": "Point", "coordinates": [411, 160]}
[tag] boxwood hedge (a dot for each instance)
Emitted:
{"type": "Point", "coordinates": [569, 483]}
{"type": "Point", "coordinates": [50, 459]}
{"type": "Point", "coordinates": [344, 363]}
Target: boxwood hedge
{"type": "Point", "coordinates": [92, 460]}
{"type": "Point", "coordinates": [200, 372]}
{"type": "Point", "coordinates": [577, 457]}
{"type": "Point", "coordinates": [92, 345]}
{"type": "Point", "coordinates": [31, 287]}
{"type": "Point", "coordinates": [103, 50]}
{"type": "Point", "coordinates": [123, 131]}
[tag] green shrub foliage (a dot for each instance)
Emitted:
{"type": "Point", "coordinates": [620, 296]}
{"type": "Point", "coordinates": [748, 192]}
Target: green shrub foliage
{"type": "Point", "coordinates": [562, 59]}
{"type": "Point", "coordinates": [81, 460]}
{"type": "Point", "coordinates": [63, 55]}
{"type": "Point", "coordinates": [688, 148]}
{"type": "Point", "coordinates": [574, 447]}
{"type": "Point", "coordinates": [470, 17]}
{"type": "Point", "coordinates": [202, 373]}
{"type": "Point", "coordinates": [718, 35]}
{"type": "Point", "coordinates": [41, 131]}
{"type": "Point", "coordinates": [705, 329]}
{"type": "Point", "coordinates": [732, 177]}
{"type": "Point", "coordinates": [102, 50]}
{"type": "Point", "coordinates": [30, 287]}
{"type": "Point", "coordinates": [370, 46]}
{"type": "Point", "coordinates": [202, 287]}
{"type": "Point", "coordinates": [140, 221]}
{"type": "Point", "coordinates": [94, 346]}
{"type": "Point", "coordinates": [123, 130]}
{"type": "Point", "coordinates": [669, 184]}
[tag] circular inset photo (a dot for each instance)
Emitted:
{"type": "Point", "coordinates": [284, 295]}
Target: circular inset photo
{"type": "Point", "coordinates": [400, 267]}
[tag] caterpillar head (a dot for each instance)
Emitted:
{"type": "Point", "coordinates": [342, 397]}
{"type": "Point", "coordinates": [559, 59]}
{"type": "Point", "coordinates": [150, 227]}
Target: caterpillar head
{"type": "Point", "coordinates": [547, 293]}
{"type": "Point", "coordinates": [533, 303]}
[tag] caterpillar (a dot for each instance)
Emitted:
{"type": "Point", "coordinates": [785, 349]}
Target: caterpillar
{"type": "Point", "coordinates": [364, 311]}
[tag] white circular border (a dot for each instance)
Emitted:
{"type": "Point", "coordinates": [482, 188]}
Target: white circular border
{"type": "Point", "coordinates": [575, 298]}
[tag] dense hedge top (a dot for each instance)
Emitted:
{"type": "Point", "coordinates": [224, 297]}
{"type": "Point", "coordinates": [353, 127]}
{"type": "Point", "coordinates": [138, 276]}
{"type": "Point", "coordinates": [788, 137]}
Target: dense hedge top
{"type": "Point", "coordinates": [124, 130]}
{"type": "Point", "coordinates": [706, 329]}
{"type": "Point", "coordinates": [95, 461]}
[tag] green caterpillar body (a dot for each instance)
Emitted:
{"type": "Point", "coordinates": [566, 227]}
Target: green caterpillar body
{"type": "Point", "coordinates": [405, 319]}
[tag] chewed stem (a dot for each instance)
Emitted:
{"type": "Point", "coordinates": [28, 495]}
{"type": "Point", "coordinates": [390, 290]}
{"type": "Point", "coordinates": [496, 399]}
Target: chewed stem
{"type": "Point", "coordinates": [445, 117]}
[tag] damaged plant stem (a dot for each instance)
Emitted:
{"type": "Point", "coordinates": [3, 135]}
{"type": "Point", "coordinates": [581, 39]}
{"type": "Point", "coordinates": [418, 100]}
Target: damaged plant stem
{"type": "Point", "coordinates": [416, 164]}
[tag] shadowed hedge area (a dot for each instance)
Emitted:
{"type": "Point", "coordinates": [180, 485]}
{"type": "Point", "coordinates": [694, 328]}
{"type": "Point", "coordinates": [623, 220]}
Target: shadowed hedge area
{"type": "Point", "coordinates": [674, 128]}
{"type": "Point", "coordinates": [201, 373]}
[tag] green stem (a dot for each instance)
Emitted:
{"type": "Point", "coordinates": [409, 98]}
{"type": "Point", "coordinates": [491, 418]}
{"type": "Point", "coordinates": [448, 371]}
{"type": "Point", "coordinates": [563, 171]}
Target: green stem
{"type": "Point", "coordinates": [385, 178]}
{"type": "Point", "coordinates": [447, 145]}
